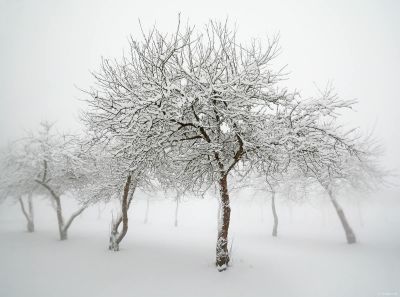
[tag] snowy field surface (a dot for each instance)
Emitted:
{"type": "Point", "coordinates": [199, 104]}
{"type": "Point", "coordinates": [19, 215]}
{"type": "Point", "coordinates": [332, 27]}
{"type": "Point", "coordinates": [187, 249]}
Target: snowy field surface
{"type": "Point", "coordinates": [310, 257]}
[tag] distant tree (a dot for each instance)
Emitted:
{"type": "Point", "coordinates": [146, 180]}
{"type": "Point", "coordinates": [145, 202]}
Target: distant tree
{"type": "Point", "coordinates": [123, 162]}
{"type": "Point", "coordinates": [17, 180]}
{"type": "Point", "coordinates": [328, 152]}
{"type": "Point", "coordinates": [112, 177]}
{"type": "Point", "coordinates": [60, 168]}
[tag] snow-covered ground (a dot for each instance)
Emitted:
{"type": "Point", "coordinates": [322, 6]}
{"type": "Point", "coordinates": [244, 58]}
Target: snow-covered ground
{"type": "Point", "coordinates": [309, 258]}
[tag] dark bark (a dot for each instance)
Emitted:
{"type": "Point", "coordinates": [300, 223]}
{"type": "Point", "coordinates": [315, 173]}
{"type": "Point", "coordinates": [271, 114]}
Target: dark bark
{"type": "Point", "coordinates": [116, 236]}
{"type": "Point", "coordinates": [350, 236]}
{"type": "Point", "coordinates": [275, 228]}
{"type": "Point", "coordinates": [222, 253]}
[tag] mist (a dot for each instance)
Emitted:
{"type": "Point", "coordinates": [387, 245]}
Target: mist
{"type": "Point", "coordinates": [49, 52]}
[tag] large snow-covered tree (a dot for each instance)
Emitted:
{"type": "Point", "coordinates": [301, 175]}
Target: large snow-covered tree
{"type": "Point", "coordinates": [196, 100]}
{"type": "Point", "coordinates": [207, 105]}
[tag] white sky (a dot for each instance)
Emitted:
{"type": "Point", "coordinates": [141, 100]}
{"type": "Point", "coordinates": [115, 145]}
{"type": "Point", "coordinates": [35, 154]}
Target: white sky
{"type": "Point", "coordinates": [48, 47]}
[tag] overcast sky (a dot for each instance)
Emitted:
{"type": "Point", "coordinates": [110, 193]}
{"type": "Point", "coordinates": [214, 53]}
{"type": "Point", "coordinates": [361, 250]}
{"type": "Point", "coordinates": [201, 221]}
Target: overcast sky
{"type": "Point", "coordinates": [48, 48]}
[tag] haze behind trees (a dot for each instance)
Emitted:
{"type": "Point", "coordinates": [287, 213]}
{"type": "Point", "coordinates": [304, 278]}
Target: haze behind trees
{"type": "Point", "coordinates": [189, 110]}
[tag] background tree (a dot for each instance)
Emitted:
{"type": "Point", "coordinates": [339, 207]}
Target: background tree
{"type": "Point", "coordinates": [60, 168]}
{"type": "Point", "coordinates": [328, 152]}
{"type": "Point", "coordinates": [123, 162]}
{"type": "Point", "coordinates": [17, 179]}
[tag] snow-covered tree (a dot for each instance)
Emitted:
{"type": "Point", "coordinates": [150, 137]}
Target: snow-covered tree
{"type": "Point", "coordinates": [328, 152]}
{"type": "Point", "coordinates": [17, 180]}
{"type": "Point", "coordinates": [206, 105]}
{"type": "Point", "coordinates": [59, 168]}
{"type": "Point", "coordinates": [122, 164]}
{"type": "Point", "coordinates": [192, 98]}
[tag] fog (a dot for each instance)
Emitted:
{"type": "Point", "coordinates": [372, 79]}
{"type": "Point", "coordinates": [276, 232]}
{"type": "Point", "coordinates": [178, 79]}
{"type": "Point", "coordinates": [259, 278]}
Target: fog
{"type": "Point", "coordinates": [48, 50]}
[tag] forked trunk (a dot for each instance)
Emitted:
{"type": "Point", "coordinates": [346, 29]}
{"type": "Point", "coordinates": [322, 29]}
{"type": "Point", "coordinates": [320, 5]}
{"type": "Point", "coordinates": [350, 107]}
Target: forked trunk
{"type": "Point", "coordinates": [63, 234]}
{"type": "Point", "coordinates": [222, 253]}
{"type": "Point", "coordinates": [69, 222]}
{"type": "Point", "coordinates": [62, 227]}
{"type": "Point", "coordinates": [350, 236]}
{"type": "Point", "coordinates": [275, 228]}
{"type": "Point", "coordinates": [116, 236]}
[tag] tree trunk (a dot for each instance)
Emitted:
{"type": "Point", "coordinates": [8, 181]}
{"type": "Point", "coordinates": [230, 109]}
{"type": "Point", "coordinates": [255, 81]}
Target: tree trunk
{"type": "Point", "coordinates": [115, 236]}
{"type": "Point", "coordinates": [71, 219]}
{"type": "Point", "coordinates": [113, 246]}
{"type": "Point", "coordinates": [222, 253]}
{"type": "Point", "coordinates": [63, 233]}
{"type": "Point", "coordinates": [28, 214]}
{"type": "Point", "coordinates": [176, 211]}
{"type": "Point", "coordinates": [146, 217]}
{"type": "Point", "coordinates": [350, 236]}
{"type": "Point", "coordinates": [31, 225]}
{"type": "Point", "coordinates": [275, 228]}
{"type": "Point", "coordinates": [62, 227]}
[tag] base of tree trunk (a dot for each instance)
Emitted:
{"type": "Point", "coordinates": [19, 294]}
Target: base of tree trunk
{"type": "Point", "coordinates": [351, 238]}
{"type": "Point", "coordinates": [222, 259]}
{"type": "Point", "coordinates": [275, 231]}
{"type": "Point", "coordinates": [113, 245]}
{"type": "Point", "coordinates": [275, 228]}
{"type": "Point", "coordinates": [222, 267]}
{"type": "Point", "coordinates": [63, 236]}
{"type": "Point", "coordinates": [30, 227]}
{"type": "Point", "coordinates": [224, 214]}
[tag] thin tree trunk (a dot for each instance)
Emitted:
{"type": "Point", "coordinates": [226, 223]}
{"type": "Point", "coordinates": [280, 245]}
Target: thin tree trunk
{"type": "Point", "coordinates": [350, 236]}
{"type": "Point", "coordinates": [115, 225]}
{"type": "Point", "coordinates": [146, 217]}
{"type": "Point", "coordinates": [176, 210]}
{"type": "Point", "coordinates": [222, 253]}
{"type": "Point", "coordinates": [116, 237]}
{"type": "Point", "coordinates": [60, 219]}
{"type": "Point", "coordinates": [275, 228]}
{"type": "Point", "coordinates": [73, 217]}
{"type": "Point", "coordinates": [28, 214]}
